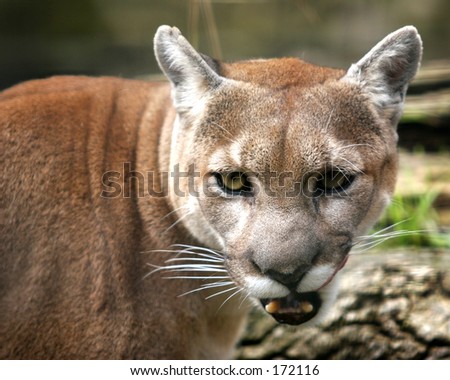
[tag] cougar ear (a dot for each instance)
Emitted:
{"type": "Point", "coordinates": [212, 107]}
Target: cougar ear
{"type": "Point", "coordinates": [385, 71]}
{"type": "Point", "coordinates": [191, 74]}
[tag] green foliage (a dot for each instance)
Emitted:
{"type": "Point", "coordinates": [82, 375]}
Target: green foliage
{"type": "Point", "coordinates": [412, 221]}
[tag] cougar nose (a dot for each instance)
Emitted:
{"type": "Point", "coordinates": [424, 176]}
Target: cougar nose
{"type": "Point", "coordinates": [290, 280]}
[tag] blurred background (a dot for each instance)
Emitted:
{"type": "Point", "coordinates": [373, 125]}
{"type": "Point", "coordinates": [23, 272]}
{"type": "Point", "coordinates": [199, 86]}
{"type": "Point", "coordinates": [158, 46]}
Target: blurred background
{"type": "Point", "coordinates": [40, 38]}
{"type": "Point", "coordinates": [114, 37]}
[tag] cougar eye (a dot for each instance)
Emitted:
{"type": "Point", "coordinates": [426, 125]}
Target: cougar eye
{"type": "Point", "coordinates": [235, 183]}
{"type": "Point", "coordinates": [334, 181]}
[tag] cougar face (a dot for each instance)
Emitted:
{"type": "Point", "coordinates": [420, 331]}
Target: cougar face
{"type": "Point", "coordinates": [289, 172]}
{"type": "Point", "coordinates": [286, 214]}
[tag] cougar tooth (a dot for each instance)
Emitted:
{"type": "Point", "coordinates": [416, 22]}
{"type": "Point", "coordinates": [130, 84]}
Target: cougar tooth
{"type": "Point", "coordinates": [306, 307]}
{"type": "Point", "coordinates": [273, 306]}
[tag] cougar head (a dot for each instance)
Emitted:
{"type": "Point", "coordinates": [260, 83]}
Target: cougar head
{"type": "Point", "coordinates": [285, 163]}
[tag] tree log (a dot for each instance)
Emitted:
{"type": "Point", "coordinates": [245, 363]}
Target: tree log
{"type": "Point", "coordinates": [392, 305]}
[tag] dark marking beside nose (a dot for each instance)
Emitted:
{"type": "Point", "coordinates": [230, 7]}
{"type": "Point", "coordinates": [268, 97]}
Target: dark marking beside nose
{"type": "Point", "coordinates": [290, 280]}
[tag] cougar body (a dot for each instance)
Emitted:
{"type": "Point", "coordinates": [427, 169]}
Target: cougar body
{"type": "Point", "coordinates": [139, 220]}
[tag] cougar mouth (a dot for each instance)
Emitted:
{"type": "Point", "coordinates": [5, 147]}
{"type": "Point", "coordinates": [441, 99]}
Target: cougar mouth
{"type": "Point", "coordinates": [295, 308]}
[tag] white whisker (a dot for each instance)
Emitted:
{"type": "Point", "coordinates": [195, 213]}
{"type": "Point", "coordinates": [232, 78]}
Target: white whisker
{"type": "Point", "coordinates": [197, 264]}
{"type": "Point", "coordinates": [224, 302]}
{"type": "Point", "coordinates": [199, 277]}
{"type": "Point", "coordinates": [217, 283]}
{"type": "Point", "coordinates": [342, 158]}
{"type": "Point", "coordinates": [352, 145]}
{"type": "Point", "coordinates": [217, 258]}
{"type": "Point", "coordinates": [193, 266]}
{"type": "Point", "coordinates": [231, 138]}
{"type": "Point", "coordinates": [181, 268]}
{"type": "Point", "coordinates": [221, 292]}
{"type": "Point", "coordinates": [177, 221]}
{"type": "Point", "coordinates": [173, 211]}
{"type": "Point", "coordinates": [208, 286]}
{"type": "Point", "coordinates": [179, 252]}
{"type": "Point", "coordinates": [387, 236]}
{"type": "Point", "coordinates": [358, 170]}
{"type": "Point", "coordinates": [208, 260]}
{"type": "Point", "coordinates": [330, 117]}
{"type": "Point", "coordinates": [370, 246]}
{"type": "Point", "coordinates": [190, 247]}
{"type": "Point", "coordinates": [243, 300]}
{"type": "Point", "coordinates": [197, 270]}
{"type": "Point", "coordinates": [366, 242]}
{"type": "Point", "coordinates": [384, 229]}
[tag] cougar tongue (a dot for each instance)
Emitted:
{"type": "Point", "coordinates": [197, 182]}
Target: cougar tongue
{"type": "Point", "coordinates": [295, 309]}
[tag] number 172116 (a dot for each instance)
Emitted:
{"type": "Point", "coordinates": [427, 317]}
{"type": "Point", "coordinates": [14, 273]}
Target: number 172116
{"type": "Point", "coordinates": [295, 370]}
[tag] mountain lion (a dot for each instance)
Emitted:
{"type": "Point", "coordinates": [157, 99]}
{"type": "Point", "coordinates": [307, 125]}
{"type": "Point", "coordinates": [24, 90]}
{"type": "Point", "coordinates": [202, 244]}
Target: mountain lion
{"type": "Point", "coordinates": [140, 220]}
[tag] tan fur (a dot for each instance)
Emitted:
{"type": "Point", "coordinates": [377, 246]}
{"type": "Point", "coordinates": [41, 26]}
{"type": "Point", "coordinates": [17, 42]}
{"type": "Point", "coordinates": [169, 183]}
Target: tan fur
{"type": "Point", "coordinates": [75, 264]}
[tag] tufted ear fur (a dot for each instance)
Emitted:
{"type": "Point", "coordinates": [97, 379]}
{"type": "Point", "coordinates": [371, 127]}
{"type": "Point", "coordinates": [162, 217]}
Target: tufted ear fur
{"type": "Point", "coordinates": [191, 74]}
{"type": "Point", "coordinates": [385, 71]}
